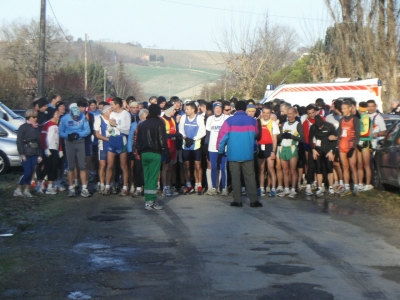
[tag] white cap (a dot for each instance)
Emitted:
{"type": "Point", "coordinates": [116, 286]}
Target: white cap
{"type": "Point", "coordinates": [73, 105]}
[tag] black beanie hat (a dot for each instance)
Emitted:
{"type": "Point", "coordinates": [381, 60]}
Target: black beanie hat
{"type": "Point", "coordinates": [240, 105]}
{"type": "Point", "coordinates": [154, 110]}
{"type": "Point", "coordinates": [42, 102]}
{"type": "Point", "coordinates": [161, 99]}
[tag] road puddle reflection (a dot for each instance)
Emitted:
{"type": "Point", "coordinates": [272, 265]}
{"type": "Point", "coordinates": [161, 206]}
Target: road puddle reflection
{"type": "Point", "coordinates": [329, 207]}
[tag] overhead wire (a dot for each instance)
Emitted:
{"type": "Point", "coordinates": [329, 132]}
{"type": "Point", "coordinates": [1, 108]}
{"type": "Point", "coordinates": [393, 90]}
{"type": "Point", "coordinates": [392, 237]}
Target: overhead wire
{"type": "Point", "coordinates": [239, 11]}
{"type": "Point", "coordinates": [55, 17]}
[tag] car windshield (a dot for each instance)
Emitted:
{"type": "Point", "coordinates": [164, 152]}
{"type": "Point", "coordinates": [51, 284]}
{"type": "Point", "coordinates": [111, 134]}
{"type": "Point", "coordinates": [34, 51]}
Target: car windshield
{"type": "Point", "coordinates": [10, 112]}
{"type": "Point", "coordinates": [8, 125]}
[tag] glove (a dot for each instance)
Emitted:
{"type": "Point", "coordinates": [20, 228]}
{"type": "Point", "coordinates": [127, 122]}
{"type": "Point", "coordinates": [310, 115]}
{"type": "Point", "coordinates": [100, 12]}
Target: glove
{"type": "Point", "coordinates": [350, 153]}
{"type": "Point", "coordinates": [47, 152]}
{"type": "Point", "coordinates": [23, 157]}
{"type": "Point", "coordinates": [286, 135]}
{"type": "Point", "coordinates": [39, 160]}
{"type": "Point", "coordinates": [189, 142]}
{"type": "Point", "coordinates": [73, 136]}
{"type": "Point", "coordinates": [60, 154]}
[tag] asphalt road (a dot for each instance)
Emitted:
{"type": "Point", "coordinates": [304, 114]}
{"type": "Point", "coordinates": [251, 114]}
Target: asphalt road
{"type": "Point", "coordinates": [199, 247]}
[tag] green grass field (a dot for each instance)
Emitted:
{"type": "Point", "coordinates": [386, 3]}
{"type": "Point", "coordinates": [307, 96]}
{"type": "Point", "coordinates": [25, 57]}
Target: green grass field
{"type": "Point", "coordinates": [158, 81]}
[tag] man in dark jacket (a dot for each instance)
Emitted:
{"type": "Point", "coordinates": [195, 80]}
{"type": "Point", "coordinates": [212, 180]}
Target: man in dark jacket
{"type": "Point", "coordinates": [150, 143]}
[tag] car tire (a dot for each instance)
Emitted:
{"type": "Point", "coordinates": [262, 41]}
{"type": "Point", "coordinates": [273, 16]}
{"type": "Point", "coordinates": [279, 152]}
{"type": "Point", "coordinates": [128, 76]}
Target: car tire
{"type": "Point", "coordinates": [376, 180]}
{"type": "Point", "coordinates": [4, 163]}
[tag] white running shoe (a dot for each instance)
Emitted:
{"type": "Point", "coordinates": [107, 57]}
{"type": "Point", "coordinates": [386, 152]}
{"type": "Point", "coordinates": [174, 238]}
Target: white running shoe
{"type": "Point", "coordinates": [27, 194]}
{"type": "Point", "coordinates": [166, 192]}
{"type": "Point", "coordinates": [71, 192]}
{"type": "Point", "coordinates": [152, 205]}
{"type": "Point", "coordinates": [368, 187]}
{"type": "Point", "coordinates": [309, 191]}
{"type": "Point", "coordinates": [51, 191]}
{"type": "Point", "coordinates": [224, 192]}
{"type": "Point", "coordinates": [85, 193]}
{"type": "Point", "coordinates": [292, 194]}
{"type": "Point", "coordinates": [284, 194]}
{"type": "Point", "coordinates": [212, 192]}
{"type": "Point", "coordinates": [18, 193]}
{"type": "Point", "coordinates": [320, 192]}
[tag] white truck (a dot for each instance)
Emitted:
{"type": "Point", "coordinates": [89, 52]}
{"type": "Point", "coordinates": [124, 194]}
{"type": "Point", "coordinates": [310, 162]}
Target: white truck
{"type": "Point", "coordinates": [306, 93]}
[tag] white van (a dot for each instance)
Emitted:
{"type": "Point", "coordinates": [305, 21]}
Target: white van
{"type": "Point", "coordinates": [10, 116]}
{"type": "Point", "coordinates": [306, 93]}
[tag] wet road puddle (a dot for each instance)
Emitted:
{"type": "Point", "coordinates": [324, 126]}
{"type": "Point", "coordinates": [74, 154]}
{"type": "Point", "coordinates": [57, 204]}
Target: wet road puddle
{"type": "Point", "coordinates": [283, 253]}
{"type": "Point", "coordinates": [78, 296]}
{"type": "Point", "coordinates": [390, 272]}
{"type": "Point", "coordinates": [103, 256]}
{"type": "Point", "coordinates": [326, 206]}
{"type": "Point", "coordinates": [260, 249]}
{"type": "Point", "coordinates": [298, 291]}
{"type": "Point", "coordinates": [285, 270]}
{"type": "Point", "coordinates": [277, 243]}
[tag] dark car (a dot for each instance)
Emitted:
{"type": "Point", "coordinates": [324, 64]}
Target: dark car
{"type": "Point", "coordinates": [386, 161]}
{"type": "Point", "coordinates": [20, 112]}
{"type": "Point", "coordinates": [390, 120]}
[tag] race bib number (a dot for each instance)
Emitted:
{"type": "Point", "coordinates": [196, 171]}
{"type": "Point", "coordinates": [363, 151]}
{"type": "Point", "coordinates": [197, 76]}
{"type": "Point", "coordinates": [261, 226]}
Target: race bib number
{"type": "Point", "coordinates": [344, 133]}
{"type": "Point", "coordinates": [318, 143]}
{"type": "Point", "coordinates": [263, 147]}
{"type": "Point", "coordinates": [360, 143]}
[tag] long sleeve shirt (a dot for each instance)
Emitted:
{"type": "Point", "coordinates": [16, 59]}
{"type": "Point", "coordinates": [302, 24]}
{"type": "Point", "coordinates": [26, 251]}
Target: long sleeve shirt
{"type": "Point", "coordinates": [49, 137]}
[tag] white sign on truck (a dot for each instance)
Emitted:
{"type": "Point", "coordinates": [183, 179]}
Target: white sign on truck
{"type": "Point", "coordinates": [306, 93]}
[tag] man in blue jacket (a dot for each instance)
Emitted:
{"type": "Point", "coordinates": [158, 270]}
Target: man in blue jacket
{"type": "Point", "coordinates": [74, 127]}
{"type": "Point", "coordinates": [238, 134]}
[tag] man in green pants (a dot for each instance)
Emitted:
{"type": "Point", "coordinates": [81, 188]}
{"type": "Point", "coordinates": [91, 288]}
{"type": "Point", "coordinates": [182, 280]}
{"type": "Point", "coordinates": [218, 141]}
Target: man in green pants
{"type": "Point", "coordinates": [150, 143]}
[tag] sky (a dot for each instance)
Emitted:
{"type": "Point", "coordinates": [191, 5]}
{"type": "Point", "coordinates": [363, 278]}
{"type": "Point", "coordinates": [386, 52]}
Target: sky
{"type": "Point", "coordinates": [168, 24]}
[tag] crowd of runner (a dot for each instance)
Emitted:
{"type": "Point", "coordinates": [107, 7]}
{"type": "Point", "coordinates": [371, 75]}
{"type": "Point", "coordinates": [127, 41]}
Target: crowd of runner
{"type": "Point", "coordinates": [172, 147]}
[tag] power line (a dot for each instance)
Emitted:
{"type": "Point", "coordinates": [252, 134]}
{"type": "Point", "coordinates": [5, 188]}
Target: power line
{"type": "Point", "coordinates": [60, 25]}
{"type": "Point", "coordinates": [239, 11]}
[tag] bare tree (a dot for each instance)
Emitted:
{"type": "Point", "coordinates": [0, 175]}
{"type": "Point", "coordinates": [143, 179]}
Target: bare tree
{"type": "Point", "coordinates": [125, 85]}
{"type": "Point", "coordinates": [20, 49]}
{"type": "Point", "coordinates": [362, 42]}
{"type": "Point", "coordinates": [250, 51]}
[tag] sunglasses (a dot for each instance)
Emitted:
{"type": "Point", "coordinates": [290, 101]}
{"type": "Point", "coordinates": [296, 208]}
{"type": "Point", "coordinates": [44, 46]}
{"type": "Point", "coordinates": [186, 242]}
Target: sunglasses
{"type": "Point", "coordinates": [35, 117]}
{"type": "Point", "coordinates": [227, 109]}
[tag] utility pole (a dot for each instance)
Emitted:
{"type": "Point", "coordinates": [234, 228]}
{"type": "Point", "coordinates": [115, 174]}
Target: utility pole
{"type": "Point", "coordinates": [169, 88]}
{"type": "Point", "coordinates": [105, 83]}
{"type": "Point", "coordinates": [225, 89]}
{"type": "Point", "coordinates": [86, 68]}
{"type": "Point", "coordinates": [42, 49]}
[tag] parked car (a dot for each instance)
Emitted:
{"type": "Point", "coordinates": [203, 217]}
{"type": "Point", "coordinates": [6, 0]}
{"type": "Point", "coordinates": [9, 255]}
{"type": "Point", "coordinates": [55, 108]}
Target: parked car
{"type": "Point", "coordinates": [386, 161]}
{"type": "Point", "coordinates": [10, 116]}
{"type": "Point", "coordinates": [20, 112]}
{"type": "Point", "coordinates": [390, 120]}
{"type": "Point", "coordinates": [9, 156]}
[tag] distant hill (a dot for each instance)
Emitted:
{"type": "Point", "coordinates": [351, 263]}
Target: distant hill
{"type": "Point", "coordinates": [182, 72]}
